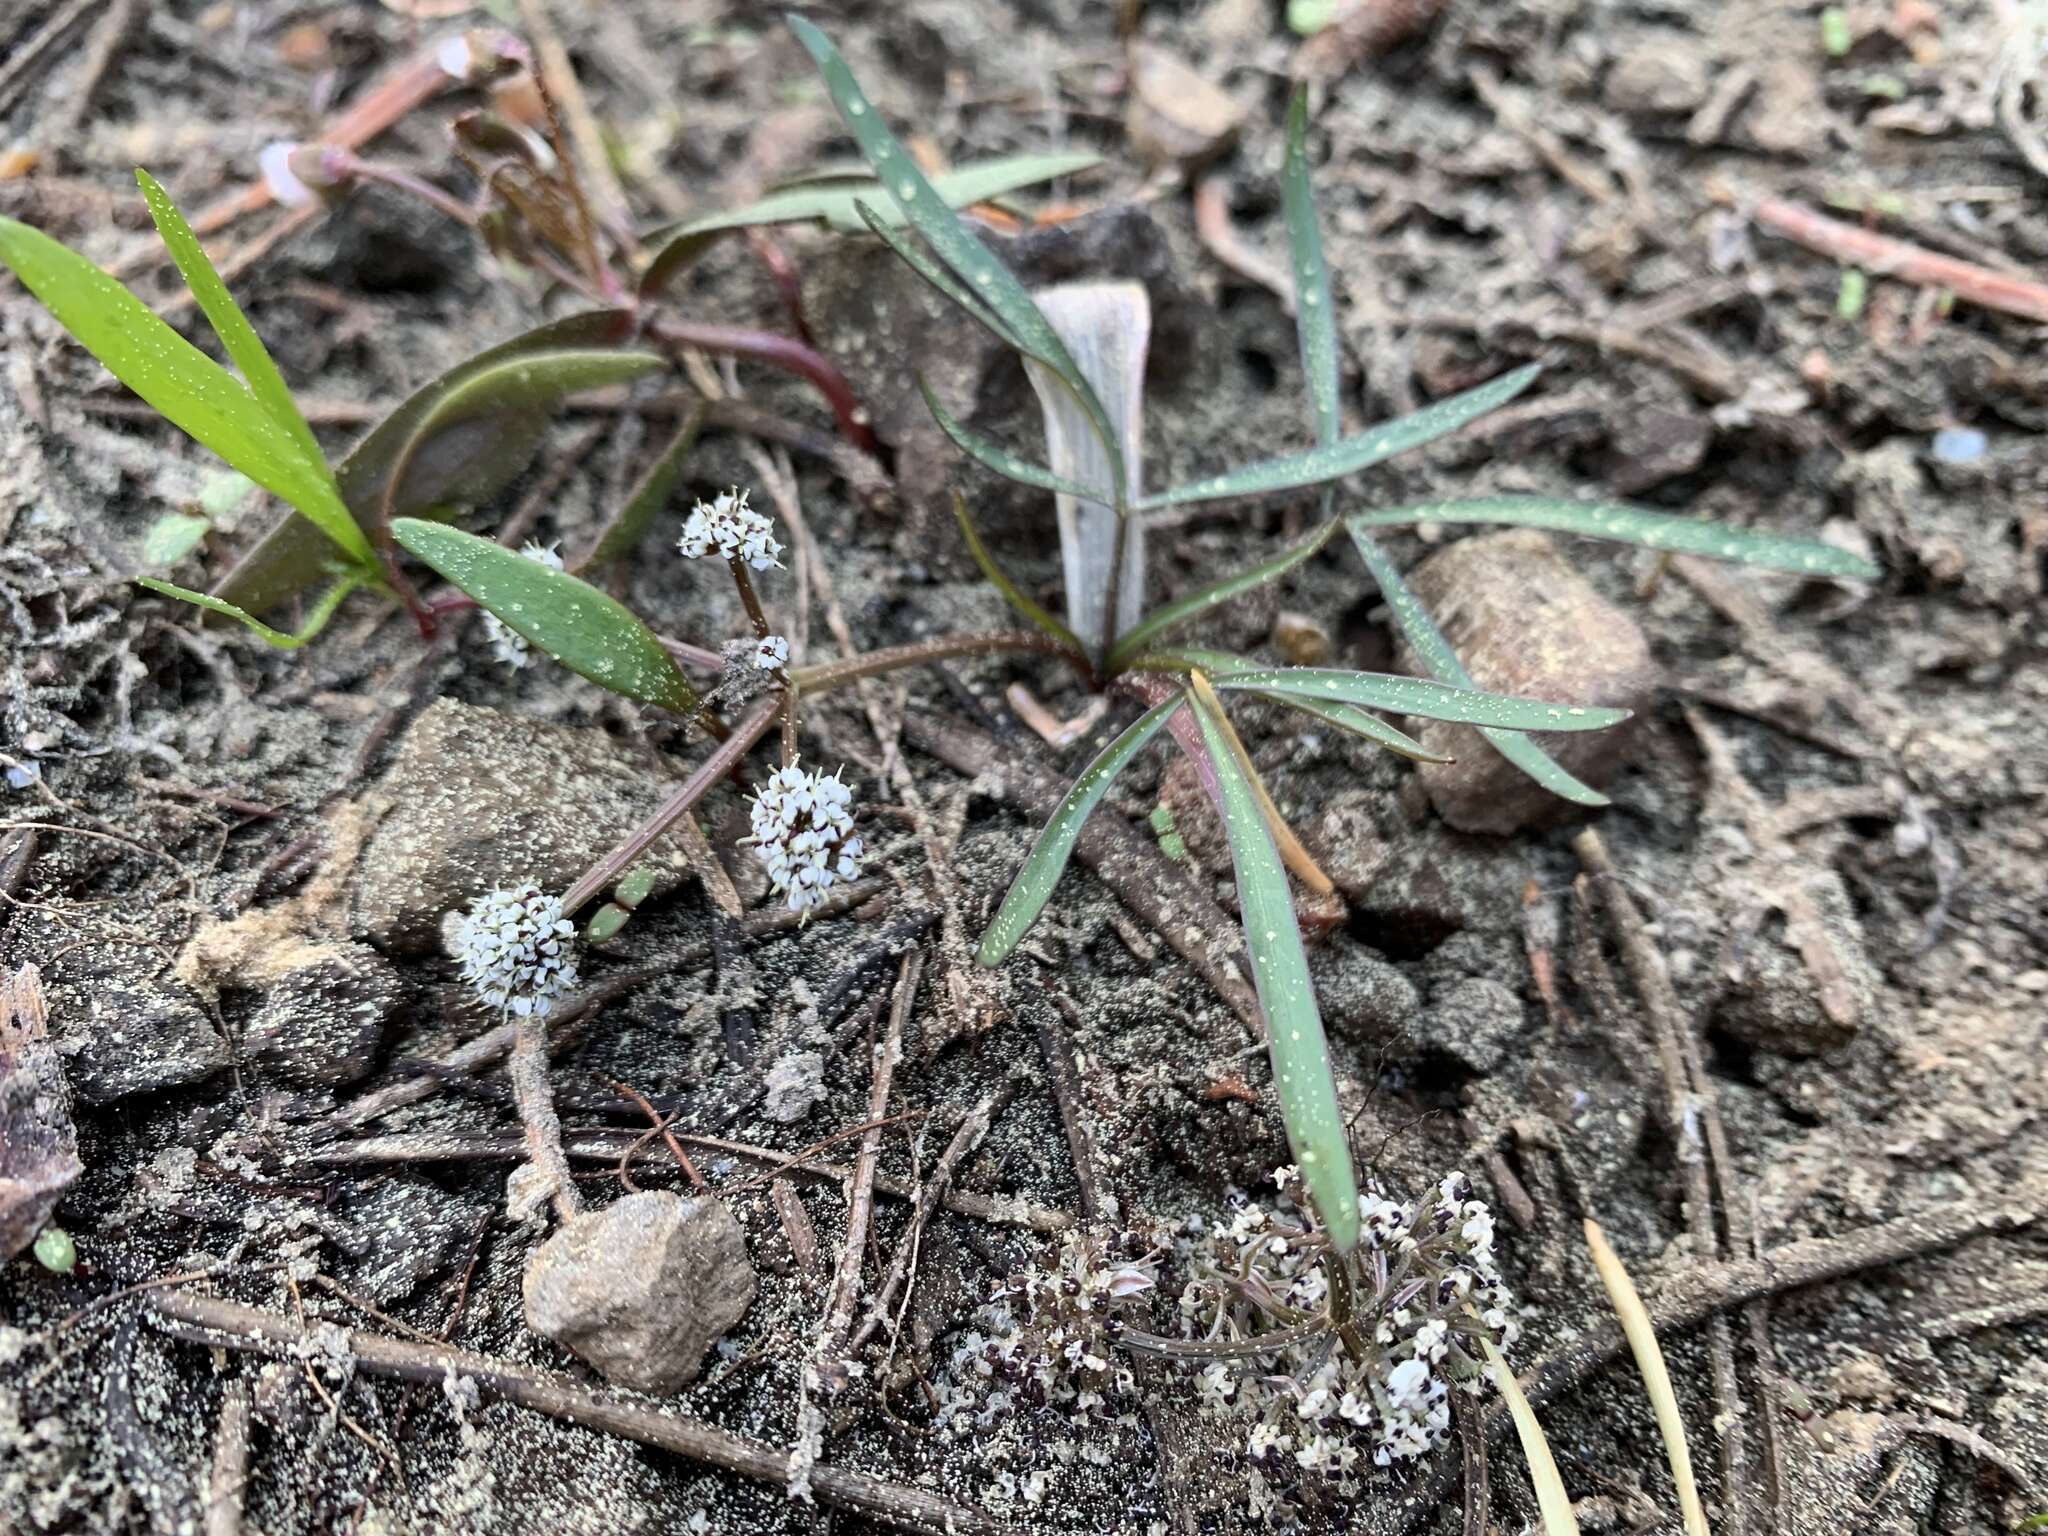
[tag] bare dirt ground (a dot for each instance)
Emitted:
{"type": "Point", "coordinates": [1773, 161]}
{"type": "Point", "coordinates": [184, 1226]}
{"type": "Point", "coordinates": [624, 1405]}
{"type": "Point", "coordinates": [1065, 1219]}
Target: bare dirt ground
{"type": "Point", "coordinates": [1830, 824]}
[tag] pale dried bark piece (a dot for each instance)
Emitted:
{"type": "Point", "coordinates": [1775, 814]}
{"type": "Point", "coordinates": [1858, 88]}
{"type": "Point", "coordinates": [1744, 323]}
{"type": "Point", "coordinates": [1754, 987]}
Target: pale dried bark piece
{"type": "Point", "coordinates": [38, 1144]}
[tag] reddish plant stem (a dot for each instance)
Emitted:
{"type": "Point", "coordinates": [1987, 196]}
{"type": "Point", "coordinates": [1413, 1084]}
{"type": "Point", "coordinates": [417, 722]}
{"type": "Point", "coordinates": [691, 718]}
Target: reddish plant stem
{"type": "Point", "coordinates": [784, 352]}
{"type": "Point", "coordinates": [1910, 263]}
{"type": "Point", "coordinates": [747, 730]}
{"type": "Point", "coordinates": [836, 674]}
{"type": "Point", "coordinates": [788, 286]}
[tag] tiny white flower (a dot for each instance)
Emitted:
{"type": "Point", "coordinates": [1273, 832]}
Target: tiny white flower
{"type": "Point", "coordinates": [729, 528]}
{"type": "Point", "coordinates": [506, 641]}
{"type": "Point", "coordinates": [772, 653]}
{"type": "Point", "coordinates": [803, 835]}
{"type": "Point", "coordinates": [517, 950]}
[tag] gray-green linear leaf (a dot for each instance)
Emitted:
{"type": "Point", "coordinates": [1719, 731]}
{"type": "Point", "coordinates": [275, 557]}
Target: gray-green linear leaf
{"type": "Point", "coordinates": [948, 234]}
{"type": "Point", "coordinates": [1349, 717]}
{"type": "Point", "coordinates": [832, 199]}
{"type": "Point", "coordinates": [1313, 466]}
{"type": "Point", "coordinates": [1181, 609]}
{"type": "Point", "coordinates": [584, 629]}
{"type": "Point", "coordinates": [1294, 1027]}
{"type": "Point", "coordinates": [1635, 525]}
{"type": "Point", "coordinates": [1435, 652]}
{"type": "Point", "coordinates": [1034, 884]}
{"type": "Point", "coordinates": [1315, 325]}
{"type": "Point", "coordinates": [993, 455]}
{"type": "Point", "coordinates": [1429, 700]}
{"type": "Point", "coordinates": [1012, 594]}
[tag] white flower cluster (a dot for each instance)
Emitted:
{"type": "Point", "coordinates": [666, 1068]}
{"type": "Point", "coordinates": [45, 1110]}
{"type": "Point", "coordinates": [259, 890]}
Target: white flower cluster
{"type": "Point", "coordinates": [730, 528]}
{"type": "Point", "coordinates": [803, 835]}
{"type": "Point", "coordinates": [517, 950]}
{"type": "Point", "coordinates": [771, 653]}
{"type": "Point", "coordinates": [1425, 1288]}
{"type": "Point", "coordinates": [509, 644]}
{"type": "Point", "coordinates": [1046, 1340]}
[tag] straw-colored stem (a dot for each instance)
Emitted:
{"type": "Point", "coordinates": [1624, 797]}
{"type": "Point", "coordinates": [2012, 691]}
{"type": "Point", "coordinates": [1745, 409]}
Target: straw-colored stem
{"type": "Point", "coordinates": [1551, 1499]}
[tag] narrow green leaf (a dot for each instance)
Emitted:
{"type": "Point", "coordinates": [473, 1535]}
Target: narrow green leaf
{"type": "Point", "coordinates": [316, 620]}
{"type": "Point", "coordinates": [244, 347]}
{"type": "Point", "coordinates": [1294, 1028]}
{"type": "Point", "coordinates": [649, 496]}
{"type": "Point", "coordinates": [956, 244]}
{"type": "Point", "coordinates": [172, 537]}
{"type": "Point", "coordinates": [1634, 525]}
{"type": "Point", "coordinates": [1436, 654]}
{"type": "Point", "coordinates": [1313, 466]}
{"type": "Point", "coordinates": [993, 455]}
{"type": "Point", "coordinates": [1429, 700]}
{"type": "Point", "coordinates": [579, 626]}
{"type": "Point", "coordinates": [464, 463]}
{"type": "Point", "coordinates": [832, 197]}
{"type": "Point", "coordinates": [1348, 717]}
{"type": "Point", "coordinates": [1034, 884]}
{"type": "Point", "coordinates": [938, 277]}
{"type": "Point", "coordinates": [1315, 321]}
{"type": "Point", "coordinates": [1157, 623]}
{"type": "Point", "coordinates": [184, 385]}
{"type": "Point", "coordinates": [1013, 594]}
{"type": "Point", "coordinates": [673, 260]}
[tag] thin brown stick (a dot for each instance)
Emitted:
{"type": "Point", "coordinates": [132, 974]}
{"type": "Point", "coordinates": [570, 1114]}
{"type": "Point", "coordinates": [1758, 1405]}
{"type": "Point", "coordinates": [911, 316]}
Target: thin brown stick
{"type": "Point", "coordinates": [861, 1201]}
{"type": "Point", "coordinates": [1910, 263]}
{"type": "Point", "coordinates": [661, 1128]}
{"type": "Point", "coordinates": [1472, 1443]}
{"type": "Point", "coordinates": [797, 1228]}
{"type": "Point", "coordinates": [1684, 1115]}
{"type": "Point", "coordinates": [535, 1099]}
{"type": "Point", "coordinates": [214, 1323]}
{"type": "Point", "coordinates": [604, 1147]}
{"type": "Point", "coordinates": [965, 1140]}
{"type": "Point", "coordinates": [229, 1474]}
{"type": "Point", "coordinates": [1707, 1290]}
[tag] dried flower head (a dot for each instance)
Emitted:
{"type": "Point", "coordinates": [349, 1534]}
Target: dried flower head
{"type": "Point", "coordinates": [771, 653]}
{"type": "Point", "coordinates": [803, 835]}
{"type": "Point", "coordinates": [517, 950]}
{"type": "Point", "coordinates": [509, 644]}
{"type": "Point", "coordinates": [728, 527]}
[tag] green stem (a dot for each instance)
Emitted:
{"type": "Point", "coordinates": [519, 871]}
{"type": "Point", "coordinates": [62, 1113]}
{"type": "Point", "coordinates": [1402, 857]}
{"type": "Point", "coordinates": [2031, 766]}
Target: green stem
{"type": "Point", "coordinates": [826, 675]}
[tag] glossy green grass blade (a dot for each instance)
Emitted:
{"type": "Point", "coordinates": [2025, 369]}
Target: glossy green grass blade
{"type": "Point", "coordinates": [1313, 466]}
{"type": "Point", "coordinates": [1422, 697]}
{"type": "Point", "coordinates": [1315, 320]}
{"type": "Point", "coordinates": [938, 277]}
{"type": "Point", "coordinates": [1436, 654]}
{"type": "Point", "coordinates": [1348, 717]}
{"type": "Point", "coordinates": [1294, 1027]}
{"type": "Point", "coordinates": [184, 385]}
{"type": "Point", "coordinates": [649, 496]}
{"type": "Point", "coordinates": [1634, 525]}
{"type": "Point", "coordinates": [831, 198]}
{"type": "Point", "coordinates": [1140, 638]}
{"type": "Point", "coordinates": [947, 233]}
{"type": "Point", "coordinates": [993, 455]}
{"type": "Point", "coordinates": [1034, 884]}
{"type": "Point", "coordinates": [1013, 594]}
{"type": "Point", "coordinates": [462, 466]}
{"type": "Point", "coordinates": [673, 260]}
{"type": "Point", "coordinates": [323, 610]}
{"type": "Point", "coordinates": [244, 347]}
{"type": "Point", "coordinates": [579, 626]}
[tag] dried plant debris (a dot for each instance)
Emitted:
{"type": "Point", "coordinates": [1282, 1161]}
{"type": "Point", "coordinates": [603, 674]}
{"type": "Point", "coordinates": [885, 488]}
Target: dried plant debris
{"type": "Point", "coordinates": [38, 1144]}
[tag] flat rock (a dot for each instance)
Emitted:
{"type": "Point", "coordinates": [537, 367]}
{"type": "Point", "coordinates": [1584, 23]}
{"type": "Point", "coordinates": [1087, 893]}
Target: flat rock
{"type": "Point", "coordinates": [321, 1021]}
{"type": "Point", "coordinates": [480, 800]}
{"type": "Point", "coordinates": [1474, 1022]}
{"type": "Point", "coordinates": [1772, 1000]}
{"type": "Point", "coordinates": [1363, 997]}
{"type": "Point", "coordinates": [641, 1289]}
{"type": "Point", "coordinates": [1177, 116]}
{"type": "Point", "coordinates": [1657, 79]}
{"type": "Point", "coordinates": [1525, 622]}
{"type": "Point", "coordinates": [124, 1029]}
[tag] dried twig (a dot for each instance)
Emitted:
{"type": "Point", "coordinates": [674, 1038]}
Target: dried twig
{"type": "Point", "coordinates": [1703, 1291]}
{"type": "Point", "coordinates": [230, 1471]}
{"type": "Point", "coordinates": [1882, 254]}
{"type": "Point", "coordinates": [214, 1323]}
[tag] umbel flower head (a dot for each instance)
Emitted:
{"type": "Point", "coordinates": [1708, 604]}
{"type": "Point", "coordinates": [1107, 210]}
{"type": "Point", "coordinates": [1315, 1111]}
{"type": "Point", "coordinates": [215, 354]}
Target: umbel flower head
{"type": "Point", "coordinates": [509, 644]}
{"type": "Point", "coordinates": [517, 950]}
{"type": "Point", "coordinates": [728, 527]}
{"type": "Point", "coordinates": [803, 835]}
